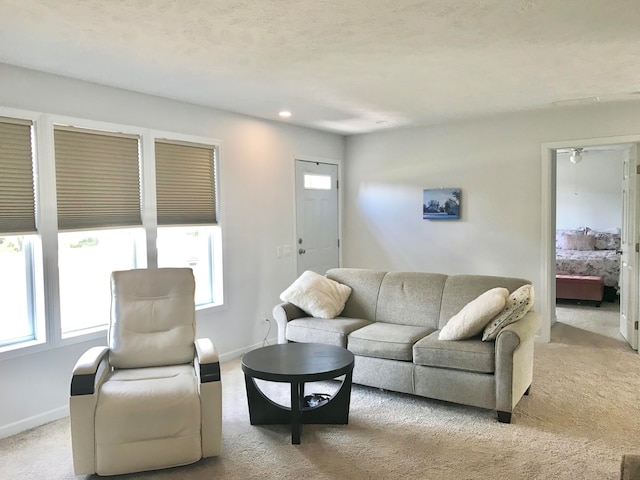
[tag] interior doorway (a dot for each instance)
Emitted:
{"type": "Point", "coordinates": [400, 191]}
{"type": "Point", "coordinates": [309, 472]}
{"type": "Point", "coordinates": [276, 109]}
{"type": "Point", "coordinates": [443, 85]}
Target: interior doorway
{"type": "Point", "coordinates": [549, 178]}
{"type": "Point", "coordinates": [590, 193]}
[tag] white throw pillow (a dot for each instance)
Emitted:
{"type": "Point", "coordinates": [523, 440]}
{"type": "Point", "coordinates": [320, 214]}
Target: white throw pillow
{"type": "Point", "coordinates": [518, 304]}
{"type": "Point", "coordinates": [474, 316]}
{"type": "Point", "coordinates": [317, 295]}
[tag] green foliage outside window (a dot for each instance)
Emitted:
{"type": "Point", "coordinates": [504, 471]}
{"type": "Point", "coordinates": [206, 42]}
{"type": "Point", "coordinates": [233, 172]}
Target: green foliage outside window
{"type": "Point", "coordinates": [12, 245]}
{"type": "Point", "coordinates": [85, 242]}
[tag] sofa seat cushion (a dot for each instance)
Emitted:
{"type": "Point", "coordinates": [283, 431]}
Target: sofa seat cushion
{"type": "Point", "coordinates": [472, 355]}
{"type": "Point", "coordinates": [332, 331]}
{"type": "Point", "coordinates": [386, 340]}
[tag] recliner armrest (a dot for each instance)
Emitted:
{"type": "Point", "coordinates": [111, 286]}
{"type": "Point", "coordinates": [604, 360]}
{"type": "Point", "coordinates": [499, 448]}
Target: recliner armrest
{"type": "Point", "coordinates": [86, 369]}
{"type": "Point", "coordinates": [207, 361]}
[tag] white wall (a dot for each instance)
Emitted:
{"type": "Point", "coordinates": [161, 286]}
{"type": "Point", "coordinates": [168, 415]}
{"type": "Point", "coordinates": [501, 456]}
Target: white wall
{"type": "Point", "coordinates": [589, 193]}
{"type": "Point", "coordinates": [496, 161]}
{"type": "Point", "coordinates": [257, 194]}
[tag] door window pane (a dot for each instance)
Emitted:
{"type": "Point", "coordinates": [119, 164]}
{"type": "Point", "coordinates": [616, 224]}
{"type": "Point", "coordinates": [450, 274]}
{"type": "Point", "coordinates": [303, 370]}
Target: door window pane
{"type": "Point", "coordinates": [17, 304]}
{"type": "Point", "coordinates": [86, 260]}
{"type": "Point", "coordinates": [317, 182]}
{"type": "Point", "coordinates": [189, 247]}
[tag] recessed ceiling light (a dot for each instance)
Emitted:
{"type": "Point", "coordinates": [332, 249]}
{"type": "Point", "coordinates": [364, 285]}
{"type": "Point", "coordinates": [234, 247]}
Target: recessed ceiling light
{"type": "Point", "coordinates": [285, 114]}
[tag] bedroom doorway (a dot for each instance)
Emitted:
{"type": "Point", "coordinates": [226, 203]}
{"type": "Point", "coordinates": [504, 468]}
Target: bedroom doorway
{"type": "Point", "coordinates": [588, 195]}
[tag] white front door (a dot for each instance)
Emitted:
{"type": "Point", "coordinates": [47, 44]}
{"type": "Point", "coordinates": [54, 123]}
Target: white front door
{"type": "Point", "coordinates": [628, 261]}
{"type": "Point", "coordinates": [317, 243]}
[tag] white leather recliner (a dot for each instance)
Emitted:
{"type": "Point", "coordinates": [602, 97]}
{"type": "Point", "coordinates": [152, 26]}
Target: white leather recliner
{"type": "Point", "coordinates": [152, 399]}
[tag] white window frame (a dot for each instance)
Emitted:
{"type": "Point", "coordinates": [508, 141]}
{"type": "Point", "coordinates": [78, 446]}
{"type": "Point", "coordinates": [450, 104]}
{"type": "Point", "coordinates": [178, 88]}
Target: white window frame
{"type": "Point", "coordinates": [48, 325]}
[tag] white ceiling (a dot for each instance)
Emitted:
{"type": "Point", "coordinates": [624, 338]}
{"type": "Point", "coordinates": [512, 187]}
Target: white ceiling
{"type": "Point", "coordinates": [347, 66]}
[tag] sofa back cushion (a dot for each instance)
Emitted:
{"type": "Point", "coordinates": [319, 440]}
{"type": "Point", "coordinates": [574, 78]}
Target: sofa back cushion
{"type": "Point", "coordinates": [365, 286]}
{"type": "Point", "coordinates": [461, 289]}
{"type": "Point", "coordinates": [411, 298]}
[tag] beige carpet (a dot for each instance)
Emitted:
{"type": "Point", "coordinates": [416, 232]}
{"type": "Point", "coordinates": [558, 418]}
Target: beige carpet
{"type": "Point", "coordinates": [582, 415]}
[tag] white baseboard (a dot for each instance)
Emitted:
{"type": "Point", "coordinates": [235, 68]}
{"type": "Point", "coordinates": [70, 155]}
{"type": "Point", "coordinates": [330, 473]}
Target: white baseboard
{"type": "Point", "coordinates": [32, 422]}
{"type": "Point", "coordinates": [241, 351]}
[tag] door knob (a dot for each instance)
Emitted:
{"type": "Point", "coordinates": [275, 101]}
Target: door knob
{"type": "Point", "coordinates": [302, 251]}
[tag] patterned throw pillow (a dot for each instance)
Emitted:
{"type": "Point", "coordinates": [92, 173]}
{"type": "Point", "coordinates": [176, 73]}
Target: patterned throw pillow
{"type": "Point", "coordinates": [518, 304]}
{"type": "Point", "coordinates": [605, 240]}
{"type": "Point", "coordinates": [317, 295]}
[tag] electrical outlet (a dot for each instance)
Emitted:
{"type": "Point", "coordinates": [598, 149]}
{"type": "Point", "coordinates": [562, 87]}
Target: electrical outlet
{"type": "Point", "coordinates": [263, 317]}
{"type": "Point", "coordinates": [278, 251]}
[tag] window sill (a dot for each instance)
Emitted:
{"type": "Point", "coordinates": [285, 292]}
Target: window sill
{"type": "Point", "coordinates": [210, 307]}
{"type": "Point", "coordinates": [22, 348]}
{"type": "Point", "coordinates": [30, 348]}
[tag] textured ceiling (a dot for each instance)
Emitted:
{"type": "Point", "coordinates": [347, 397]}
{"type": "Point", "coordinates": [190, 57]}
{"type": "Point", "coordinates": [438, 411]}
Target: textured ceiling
{"type": "Point", "coordinates": [347, 66]}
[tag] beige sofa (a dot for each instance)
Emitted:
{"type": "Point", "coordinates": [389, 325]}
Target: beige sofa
{"type": "Point", "coordinates": [391, 323]}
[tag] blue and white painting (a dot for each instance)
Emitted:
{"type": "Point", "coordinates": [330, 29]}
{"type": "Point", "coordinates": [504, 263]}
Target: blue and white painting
{"type": "Point", "coordinates": [441, 204]}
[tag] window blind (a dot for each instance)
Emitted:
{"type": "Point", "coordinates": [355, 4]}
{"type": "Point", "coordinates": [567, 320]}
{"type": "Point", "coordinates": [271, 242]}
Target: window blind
{"type": "Point", "coordinates": [17, 198]}
{"type": "Point", "coordinates": [97, 179]}
{"type": "Point", "coordinates": [185, 183]}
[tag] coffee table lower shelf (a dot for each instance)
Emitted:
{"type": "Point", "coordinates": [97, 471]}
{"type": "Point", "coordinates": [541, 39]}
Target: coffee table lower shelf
{"type": "Point", "coordinates": [297, 364]}
{"type": "Point", "coordinates": [264, 411]}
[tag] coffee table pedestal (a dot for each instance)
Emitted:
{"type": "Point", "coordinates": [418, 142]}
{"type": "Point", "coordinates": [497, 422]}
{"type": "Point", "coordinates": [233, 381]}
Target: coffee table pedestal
{"type": "Point", "coordinates": [298, 364]}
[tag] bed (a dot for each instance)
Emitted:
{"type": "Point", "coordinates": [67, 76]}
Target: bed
{"type": "Point", "coordinates": [589, 252]}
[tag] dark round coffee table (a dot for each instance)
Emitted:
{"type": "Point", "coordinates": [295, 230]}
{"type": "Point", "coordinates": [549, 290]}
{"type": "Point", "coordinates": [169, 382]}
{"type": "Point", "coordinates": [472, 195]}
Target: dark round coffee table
{"type": "Point", "coordinates": [298, 363]}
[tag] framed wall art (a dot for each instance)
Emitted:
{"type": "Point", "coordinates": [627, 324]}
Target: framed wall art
{"type": "Point", "coordinates": [441, 204]}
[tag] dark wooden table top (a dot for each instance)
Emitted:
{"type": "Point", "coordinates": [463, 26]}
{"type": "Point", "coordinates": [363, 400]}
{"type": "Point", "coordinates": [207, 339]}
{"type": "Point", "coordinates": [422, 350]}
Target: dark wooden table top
{"type": "Point", "coordinates": [297, 362]}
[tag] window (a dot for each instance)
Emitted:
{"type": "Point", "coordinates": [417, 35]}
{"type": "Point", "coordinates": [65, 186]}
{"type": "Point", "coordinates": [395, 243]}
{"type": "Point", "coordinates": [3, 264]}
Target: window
{"type": "Point", "coordinates": [97, 186]}
{"type": "Point", "coordinates": [187, 213]}
{"type": "Point", "coordinates": [86, 261]}
{"type": "Point", "coordinates": [190, 247]}
{"type": "Point", "coordinates": [19, 255]}
{"type": "Point", "coordinates": [16, 290]}
{"type": "Point", "coordinates": [317, 182]}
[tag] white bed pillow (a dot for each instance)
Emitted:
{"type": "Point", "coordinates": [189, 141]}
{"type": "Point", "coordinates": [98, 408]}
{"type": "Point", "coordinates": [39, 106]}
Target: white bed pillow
{"type": "Point", "coordinates": [475, 315]}
{"type": "Point", "coordinates": [518, 304]}
{"type": "Point", "coordinates": [317, 295]}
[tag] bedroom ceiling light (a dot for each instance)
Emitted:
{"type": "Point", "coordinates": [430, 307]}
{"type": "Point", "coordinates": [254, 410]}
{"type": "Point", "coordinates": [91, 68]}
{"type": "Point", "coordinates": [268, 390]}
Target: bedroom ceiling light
{"type": "Point", "coordinates": [285, 114]}
{"type": "Point", "coordinates": [576, 155]}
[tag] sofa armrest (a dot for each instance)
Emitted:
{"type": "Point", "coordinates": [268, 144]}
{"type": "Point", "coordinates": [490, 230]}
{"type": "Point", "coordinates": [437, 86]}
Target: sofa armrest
{"type": "Point", "coordinates": [283, 313]}
{"type": "Point", "coordinates": [514, 361]}
{"type": "Point", "coordinates": [518, 332]}
{"type": "Point", "coordinates": [86, 369]}
{"type": "Point", "coordinates": [207, 361]}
